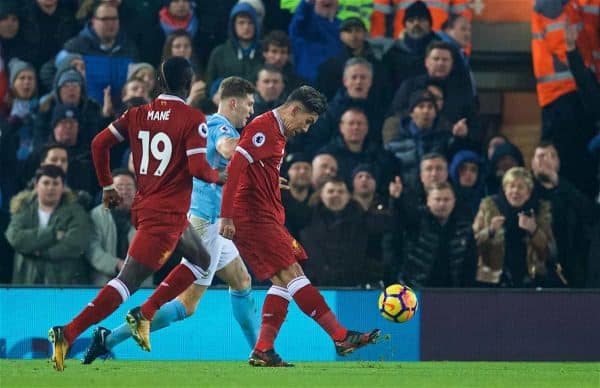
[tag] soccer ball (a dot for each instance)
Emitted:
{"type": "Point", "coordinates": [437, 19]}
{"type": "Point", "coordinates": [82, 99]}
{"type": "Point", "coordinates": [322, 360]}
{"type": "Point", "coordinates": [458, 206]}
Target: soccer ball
{"type": "Point", "coordinates": [398, 303]}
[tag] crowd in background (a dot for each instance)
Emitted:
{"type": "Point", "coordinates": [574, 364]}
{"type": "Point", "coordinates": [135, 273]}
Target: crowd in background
{"type": "Point", "coordinates": [401, 180]}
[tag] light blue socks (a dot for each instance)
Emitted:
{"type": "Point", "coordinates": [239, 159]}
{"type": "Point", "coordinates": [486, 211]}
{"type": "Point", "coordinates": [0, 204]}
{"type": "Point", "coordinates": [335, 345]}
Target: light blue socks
{"type": "Point", "coordinates": [246, 314]}
{"type": "Point", "coordinates": [170, 312]}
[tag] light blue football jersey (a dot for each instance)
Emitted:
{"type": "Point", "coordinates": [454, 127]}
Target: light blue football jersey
{"type": "Point", "coordinates": [206, 197]}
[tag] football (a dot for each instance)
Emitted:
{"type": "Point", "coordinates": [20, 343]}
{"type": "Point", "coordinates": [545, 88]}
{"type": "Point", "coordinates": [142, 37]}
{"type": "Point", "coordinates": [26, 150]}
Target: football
{"type": "Point", "coordinates": [398, 303]}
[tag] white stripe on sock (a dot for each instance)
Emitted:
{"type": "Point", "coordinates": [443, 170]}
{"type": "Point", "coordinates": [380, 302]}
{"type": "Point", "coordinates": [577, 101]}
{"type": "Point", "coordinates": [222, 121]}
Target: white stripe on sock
{"type": "Point", "coordinates": [296, 284]}
{"type": "Point", "coordinates": [120, 287]}
{"type": "Point", "coordinates": [280, 291]}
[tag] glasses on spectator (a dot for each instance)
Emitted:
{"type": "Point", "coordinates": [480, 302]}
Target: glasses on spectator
{"type": "Point", "coordinates": [107, 18]}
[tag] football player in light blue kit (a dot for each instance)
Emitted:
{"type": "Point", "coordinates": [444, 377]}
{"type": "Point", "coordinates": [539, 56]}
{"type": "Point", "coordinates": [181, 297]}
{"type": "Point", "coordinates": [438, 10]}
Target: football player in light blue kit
{"type": "Point", "coordinates": [235, 108]}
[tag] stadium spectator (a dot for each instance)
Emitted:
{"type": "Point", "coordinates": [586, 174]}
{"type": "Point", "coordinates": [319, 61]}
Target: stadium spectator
{"type": "Point", "coordinates": [364, 192]}
{"type": "Point", "coordinates": [68, 132]}
{"type": "Point", "coordinates": [212, 17]}
{"type": "Point", "coordinates": [358, 80]}
{"type": "Point", "coordinates": [295, 199]}
{"type": "Point", "coordinates": [315, 35]}
{"type": "Point", "coordinates": [420, 133]}
{"type": "Point", "coordinates": [440, 68]}
{"type": "Point", "coordinates": [504, 157]}
{"type": "Point", "coordinates": [112, 233]}
{"type": "Point", "coordinates": [60, 63]}
{"type": "Point", "coordinates": [11, 37]}
{"type": "Point", "coordinates": [457, 31]}
{"type": "Point", "coordinates": [352, 148]}
{"type": "Point", "coordinates": [466, 175]}
{"type": "Point", "coordinates": [335, 238]}
{"type": "Point", "coordinates": [46, 25]}
{"type": "Point", "coordinates": [70, 88]}
{"type": "Point", "coordinates": [324, 166]}
{"type": "Point", "coordinates": [107, 52]}
{"type": "Point", "coordinates": [146, 72]}
{"type": "Point", "coordinates": [49, 232]}
{"type": "Point", "coordinates": [573, 213]}
{"type": "Point", "coordinates": [276, 49]}
{"type": "Point", "coordinates": [178, 15]}
{"type": "Point", "coordinates": [394, 11]}
{"type": "Point", "coordinates": [23, 105]}
{"type": "Point", "coordinates": [353, 35]}
{"type": "Point", "coordinates": [513, 230]}
{"type": "Point", "coordinates": [440, 249]}
{"type": "Point", "coordinates": [405, 58]}
{"type": "Point", "coordinates": [270, 89]}
{"type": "Point", "coordinates": [240, 55]}
{"type": "Point", "coordinates": [180, 44]}
{"type": "Point", "coordinates": [562, 120]}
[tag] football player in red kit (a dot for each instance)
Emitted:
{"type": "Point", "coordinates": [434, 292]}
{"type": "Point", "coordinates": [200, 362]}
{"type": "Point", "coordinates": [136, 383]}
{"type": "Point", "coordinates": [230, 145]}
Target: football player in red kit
{"type": "Point", "coordinates": [253, 216]}
{"type": "Point", "coordinates": [167, 151]}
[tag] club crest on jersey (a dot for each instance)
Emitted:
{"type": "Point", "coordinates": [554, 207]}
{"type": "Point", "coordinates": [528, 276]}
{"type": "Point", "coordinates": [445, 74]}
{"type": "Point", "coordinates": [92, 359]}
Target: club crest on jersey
{"type": "Point", "coordinates": [203, 130]}
{"type": "Point", "coordinates": [224, 128]}
{"type": "Point", "coordinates": [259, 139]}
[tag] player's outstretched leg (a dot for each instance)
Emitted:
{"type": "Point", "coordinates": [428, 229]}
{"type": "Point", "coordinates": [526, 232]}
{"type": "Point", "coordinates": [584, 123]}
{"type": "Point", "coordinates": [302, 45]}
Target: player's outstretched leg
{"type": "Point", "coordinates": [108, 299]}
{"type": "Point", "coordinates": [274, 312]}
{"type": "Point", "coordinates": [312, 303]}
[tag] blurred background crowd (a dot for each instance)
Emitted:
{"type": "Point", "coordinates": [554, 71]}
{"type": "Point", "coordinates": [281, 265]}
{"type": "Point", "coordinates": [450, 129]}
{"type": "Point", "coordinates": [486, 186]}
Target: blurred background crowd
{"type": "Point", "coordinates": [460, 146]}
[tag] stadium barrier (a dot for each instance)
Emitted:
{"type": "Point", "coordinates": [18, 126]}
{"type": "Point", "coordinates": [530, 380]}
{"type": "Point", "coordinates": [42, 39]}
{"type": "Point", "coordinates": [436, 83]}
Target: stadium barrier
{"type": "Point", "coordinates": [450, 325]}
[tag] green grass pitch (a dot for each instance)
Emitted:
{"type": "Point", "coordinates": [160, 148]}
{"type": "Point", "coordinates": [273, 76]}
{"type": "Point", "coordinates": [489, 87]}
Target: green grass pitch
{"type": "Point", "coordinates": [150, 374]}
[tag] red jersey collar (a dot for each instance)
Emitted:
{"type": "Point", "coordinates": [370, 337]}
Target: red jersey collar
{"type": "Point", "coordinates": [169, 97]}
{"type": "Point", "coordinates": [278, 122]}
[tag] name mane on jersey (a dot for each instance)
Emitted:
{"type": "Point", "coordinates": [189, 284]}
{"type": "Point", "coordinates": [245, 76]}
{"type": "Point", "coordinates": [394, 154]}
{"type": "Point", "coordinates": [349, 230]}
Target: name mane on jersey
{"type": "Point", "coordinates": [158, 114]}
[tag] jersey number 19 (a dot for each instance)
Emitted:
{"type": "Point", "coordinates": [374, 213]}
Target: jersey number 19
{"type": "Point", "coordinates": [161, 149]}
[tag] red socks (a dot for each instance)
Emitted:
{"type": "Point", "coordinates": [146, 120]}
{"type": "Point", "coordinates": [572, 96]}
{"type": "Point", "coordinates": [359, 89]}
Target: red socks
{"type": "Point", "coordinates": [107, 301]}
{"type": "Point", "coordinates": [174, 284]}
{"type": "Point", "coordinates": [274, 312]}
{"type": "Point", "coordinates": [312, 303]}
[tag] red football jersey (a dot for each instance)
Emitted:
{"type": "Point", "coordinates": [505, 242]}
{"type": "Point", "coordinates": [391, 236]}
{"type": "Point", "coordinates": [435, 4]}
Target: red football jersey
{"type": "Point", "coordinates": [258, 197]}
{"type": "Point", "coordinates": [162, 134]}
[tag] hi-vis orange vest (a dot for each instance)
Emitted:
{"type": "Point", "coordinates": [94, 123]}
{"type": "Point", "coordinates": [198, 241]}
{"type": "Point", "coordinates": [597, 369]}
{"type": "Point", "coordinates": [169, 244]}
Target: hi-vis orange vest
{"type": "Point", "coordinates": [549, 51]}
{"type": "Point", "coordinates": [440, 9]}
{"type": "Point", "coordinates": [590, 15]}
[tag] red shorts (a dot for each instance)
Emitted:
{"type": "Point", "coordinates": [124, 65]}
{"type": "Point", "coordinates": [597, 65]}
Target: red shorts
{"type": "Point", "coordinates": [267, 248]}
{"type": "Point", "coordinates": [156, 236]}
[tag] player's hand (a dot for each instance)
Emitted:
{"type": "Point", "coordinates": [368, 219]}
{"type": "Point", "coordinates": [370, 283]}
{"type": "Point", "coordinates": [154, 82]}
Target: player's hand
{"type": "Point", "coordinates": [227, 228]}
{"type": "Point", "coordinates": [111, 199]}
{"type": "Point", "coordinates": [283, 183]}
{"type": "Point", "coordinates": [223, 175]}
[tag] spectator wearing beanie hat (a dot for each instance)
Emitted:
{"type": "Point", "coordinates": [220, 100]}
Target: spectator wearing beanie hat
{"type": "Point", "coordinates": [62, 61]}
{"type": "Point", "coordinates": [411, 137]}
{"type": "Point", "coordinates": [70, 88]}
{"type": "Point", "coordinates": [23, 104]}
{"type": "Point", "coordinates": [405, 59]}
{"type": "Point", "coordinates": [297, 168]}
{"type": "Point", "coordinates": [145, 72]}
{"type": "Point", "coordinates": [65, 124]}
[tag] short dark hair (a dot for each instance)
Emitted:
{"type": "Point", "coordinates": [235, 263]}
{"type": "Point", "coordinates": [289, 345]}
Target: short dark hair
{"type": "Point", "coordinates": [546, 144]}
{"type": "Point", "coordinates": [99, 4]}
{"type": "Point", "coordinates": [270, 69]}
{"type": "Point", "coordinates": [122, 171]}
{"type": "Point", "coordinates": [440, 45]}
{"type": "Point", "coordinates": [440, 186]}
{"type": "Point", "coordinates": [434, 155]}
{"type": "Point", "coordinates": [51, 146]}
{"type": "Point", "coordinates": [235, 87]}
{"type": "Point", "coordinates": [310, 98]}
{"type": "Point", "coordinates": [276, 38]}
{"type": "Point", "coordinates": [176, 76]}
{"type": "Point", "coordinates": [336, 180]}
{"type": "Point", "coordinates": [51, 171]}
